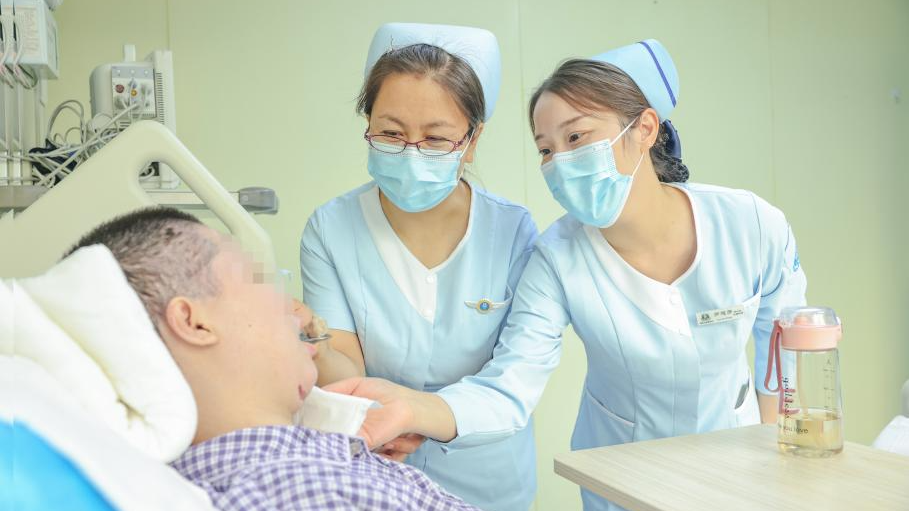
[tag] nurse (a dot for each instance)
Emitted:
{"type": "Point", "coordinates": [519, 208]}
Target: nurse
{"type": "Point", "coordinates": [662, 280]}
{"type": "Point", "coordinates": [414, 271]}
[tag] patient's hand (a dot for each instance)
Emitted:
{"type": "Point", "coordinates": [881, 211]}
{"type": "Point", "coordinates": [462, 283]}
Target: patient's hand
{"type": "Point", "coordinates": [393, 419]}
{"type": "Point", "coordinates": [402, 447]}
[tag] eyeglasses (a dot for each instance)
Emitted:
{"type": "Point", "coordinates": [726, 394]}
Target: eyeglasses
{"type": "Point", "coordinates": [427, 147]}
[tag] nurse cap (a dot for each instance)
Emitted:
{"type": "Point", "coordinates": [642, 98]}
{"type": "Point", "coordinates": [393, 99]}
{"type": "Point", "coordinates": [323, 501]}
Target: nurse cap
{"type": "Point", "coordinates": [476, 46]}
{"type": "Point", "coordinates": [650, 66]}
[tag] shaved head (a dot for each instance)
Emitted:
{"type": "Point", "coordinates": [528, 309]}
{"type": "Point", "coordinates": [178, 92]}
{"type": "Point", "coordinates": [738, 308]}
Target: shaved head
{"type": "Point", "coordinates": [164, 253]}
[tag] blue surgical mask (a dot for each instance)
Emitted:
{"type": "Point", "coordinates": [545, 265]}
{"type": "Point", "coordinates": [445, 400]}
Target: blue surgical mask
{"type": "Point", "coordinates": [587, 183]}
{"type": "Point", "coordinates": [414, 181]}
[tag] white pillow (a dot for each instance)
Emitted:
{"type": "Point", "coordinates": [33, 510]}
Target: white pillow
{"type": "Point", "coordinates": [116, 365]}
{"type": "Point", "coordinates": [34, 336]}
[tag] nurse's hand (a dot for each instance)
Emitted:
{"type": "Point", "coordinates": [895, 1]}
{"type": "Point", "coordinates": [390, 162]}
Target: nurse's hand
{"type": "Point", "coordinates": [393, 419]}
{"type": "Point", "coordinates": [402, 447]}
{"type": "Point", "coordinates": [310, 324]}
{"type": "Point", "coordinates": [338, 357]}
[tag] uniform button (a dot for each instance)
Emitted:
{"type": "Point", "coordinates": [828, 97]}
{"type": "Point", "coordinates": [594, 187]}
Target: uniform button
{"type": "Point", "coordinates": [431, 278]}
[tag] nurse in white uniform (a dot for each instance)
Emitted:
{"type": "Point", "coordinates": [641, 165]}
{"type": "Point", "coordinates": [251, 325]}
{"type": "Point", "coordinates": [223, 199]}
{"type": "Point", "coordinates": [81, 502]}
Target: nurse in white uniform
{"type": "Point", "coordinates": [662, 280]}
{"type": "Point", "coordinates": [414, 271]}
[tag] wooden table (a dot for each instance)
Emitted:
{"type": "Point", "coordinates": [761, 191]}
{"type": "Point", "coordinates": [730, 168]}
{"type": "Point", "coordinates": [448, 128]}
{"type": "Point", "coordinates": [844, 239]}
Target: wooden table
{"type": "Point", "coordinates": [738, 469]}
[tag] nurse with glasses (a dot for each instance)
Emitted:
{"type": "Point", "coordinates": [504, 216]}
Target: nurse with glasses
{"type": "Point", "coordinates": [414, 271]}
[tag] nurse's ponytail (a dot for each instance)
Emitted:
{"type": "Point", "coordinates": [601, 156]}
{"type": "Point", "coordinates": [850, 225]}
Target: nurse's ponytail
{"type": "Point", "coordinates": [593, 85]}
{"type": "Point", "coordinates": [668, 167]}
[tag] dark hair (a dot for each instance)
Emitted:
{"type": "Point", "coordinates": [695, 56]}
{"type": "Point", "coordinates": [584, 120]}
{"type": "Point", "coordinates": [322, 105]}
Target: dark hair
{"type": "Point", "coordinates": [163, 253]}
{"type": "Point", "coordinates": [593, 85]}
{"type": "Point", "coordinates": [449, 71]}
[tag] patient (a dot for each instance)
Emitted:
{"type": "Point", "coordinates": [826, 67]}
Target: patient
{"type": "Point", "coordinates": [237, 343]}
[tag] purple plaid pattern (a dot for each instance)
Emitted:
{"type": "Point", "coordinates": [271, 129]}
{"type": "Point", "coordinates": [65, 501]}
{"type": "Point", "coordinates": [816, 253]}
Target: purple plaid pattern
{"type": "Point", "coordinates": [295, 468]}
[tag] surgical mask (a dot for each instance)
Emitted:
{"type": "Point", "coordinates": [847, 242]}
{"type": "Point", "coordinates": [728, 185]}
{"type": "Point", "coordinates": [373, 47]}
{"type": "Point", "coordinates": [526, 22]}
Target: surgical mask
{"type": "Point", "coordinates": [414, 181]}
{"type": "Point", "coordinates": [587, 183]}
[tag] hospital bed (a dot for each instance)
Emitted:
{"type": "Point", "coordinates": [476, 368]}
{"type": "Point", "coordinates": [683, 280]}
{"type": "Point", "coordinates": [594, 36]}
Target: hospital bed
{"type": "Point", "coordinates": [55, 453]}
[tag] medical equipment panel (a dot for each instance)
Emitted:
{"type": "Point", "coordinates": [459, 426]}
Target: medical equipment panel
{"type": "Point", "coordinates": [130, 91]}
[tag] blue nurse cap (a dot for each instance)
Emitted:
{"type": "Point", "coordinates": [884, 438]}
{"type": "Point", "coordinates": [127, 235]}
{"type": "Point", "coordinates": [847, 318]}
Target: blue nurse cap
{"type": "Point", "coordinates": [650, 66]}
{"type": "Point", "coordinates": [476, 46]}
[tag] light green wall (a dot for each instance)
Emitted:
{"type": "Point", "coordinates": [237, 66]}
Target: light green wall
{"type": "Point", "coordinates": [790, 99]}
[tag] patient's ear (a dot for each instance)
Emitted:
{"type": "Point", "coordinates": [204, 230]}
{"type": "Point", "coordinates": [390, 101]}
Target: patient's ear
{"type": "Point", "coordinates": [189, 321]}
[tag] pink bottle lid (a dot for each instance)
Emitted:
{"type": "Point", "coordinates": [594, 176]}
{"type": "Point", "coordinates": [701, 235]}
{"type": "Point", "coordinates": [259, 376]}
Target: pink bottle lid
{"type": "Point", "coordinates": [809, 328]}
{"type": "Point", "coordinates": [800, 329]}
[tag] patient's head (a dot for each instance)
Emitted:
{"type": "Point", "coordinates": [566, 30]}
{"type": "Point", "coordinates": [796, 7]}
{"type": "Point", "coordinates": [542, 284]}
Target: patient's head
{"type": "Point", "coordinates": [231, 333]}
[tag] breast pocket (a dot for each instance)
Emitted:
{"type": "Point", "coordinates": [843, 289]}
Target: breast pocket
{"type": "Point", "coordinates": [723, 332]}
{"type": "Point", "coordinates": [479, 321]}
{"type": "Point", "coordinates": [746, 324]}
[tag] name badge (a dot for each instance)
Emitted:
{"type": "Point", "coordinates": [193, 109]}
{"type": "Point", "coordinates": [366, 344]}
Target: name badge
{"type": "Point", "coordinates": [721, 315]}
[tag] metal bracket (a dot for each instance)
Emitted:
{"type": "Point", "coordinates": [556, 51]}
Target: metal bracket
{"type": "Point", "coordinates": [256, 200]}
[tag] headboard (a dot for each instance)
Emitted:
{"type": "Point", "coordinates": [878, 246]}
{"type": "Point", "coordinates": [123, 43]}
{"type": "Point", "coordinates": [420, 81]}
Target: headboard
{"type": "Point", "coordinates": [107, 185]}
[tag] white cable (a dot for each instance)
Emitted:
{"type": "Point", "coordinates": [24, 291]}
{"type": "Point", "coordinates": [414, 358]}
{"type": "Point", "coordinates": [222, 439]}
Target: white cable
{"type": "Point", "coordinates": [66, 106]}
{"type": "Point", "coordinates": [20, 71]}
{"type": "Point", "coordinates": [4, 74]}
{"type": "Point", "coordinates": [4, 43]}
{"type": "Point", "coordinates": [17, 70]}
{"type": "Point", "coordinates": [63, 147]}
{"type": "Point", "coordinates": [17, 56]}
{"type": "Point", "coordinates": [61, 168]}
{"type": "Point", "coordinates": [67, 132]}
{"type": "Point", "coordinates": [91, 140]}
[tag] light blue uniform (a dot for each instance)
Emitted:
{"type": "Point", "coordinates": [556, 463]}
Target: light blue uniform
{"type": "Point", "coordinates": [662, 360]}
{"type": "Point", "coordinates": [422, 327]}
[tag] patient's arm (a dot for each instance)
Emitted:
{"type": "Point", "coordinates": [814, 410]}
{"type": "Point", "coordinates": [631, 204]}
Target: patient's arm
{"type": "Point", "coordinates": [339, 358]}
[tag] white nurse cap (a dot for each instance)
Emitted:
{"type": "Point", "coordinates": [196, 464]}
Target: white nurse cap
{"type": "Point", "coordinates": [476, 46]}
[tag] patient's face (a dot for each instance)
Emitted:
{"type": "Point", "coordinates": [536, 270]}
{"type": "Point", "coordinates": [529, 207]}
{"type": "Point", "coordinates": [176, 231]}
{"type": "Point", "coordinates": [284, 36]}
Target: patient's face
{"type": "Point", "coordinates": [258, 332]}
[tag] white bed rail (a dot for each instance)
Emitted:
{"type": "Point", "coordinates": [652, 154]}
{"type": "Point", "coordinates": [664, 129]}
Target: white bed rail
{"type": "Point", "coordinates": [107, 185]}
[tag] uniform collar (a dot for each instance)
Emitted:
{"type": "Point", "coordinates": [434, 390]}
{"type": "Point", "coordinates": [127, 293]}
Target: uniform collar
{"type": "Point", "coordinates": [660, 302]}
{"type": "Point", "coordinates": [417, 283]}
